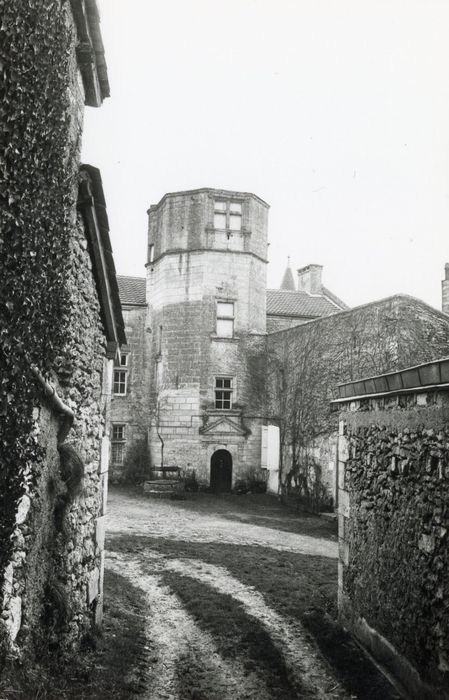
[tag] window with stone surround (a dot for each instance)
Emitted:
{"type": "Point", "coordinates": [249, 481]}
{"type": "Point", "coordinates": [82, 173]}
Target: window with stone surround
{"type": "Point", "coordinates": [121, 375]}
{"type": "Point", "coordinates": [228, 215]}
{"type": "Point", "coordinates": [223, 392]}
{"type": "Point", "coordinates": [225, 319]}
{"type": "Point", "coordinates": [118, 443]}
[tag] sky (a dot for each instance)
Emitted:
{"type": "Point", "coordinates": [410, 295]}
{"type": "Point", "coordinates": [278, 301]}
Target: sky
{"type": "Point", "coordinates": [335, 112]}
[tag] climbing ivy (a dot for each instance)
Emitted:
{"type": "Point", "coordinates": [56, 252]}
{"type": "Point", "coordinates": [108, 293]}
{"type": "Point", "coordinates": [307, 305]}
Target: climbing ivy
{"type": "Point", "coordinates": [37, 198]}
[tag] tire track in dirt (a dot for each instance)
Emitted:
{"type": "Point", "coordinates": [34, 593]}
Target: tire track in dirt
{"type": "Point", "coordinates": [177, 648]}
{"type": "Point", "coordinates": [305, 661]}
{"type": "Point", "coordinates": [178, 639]}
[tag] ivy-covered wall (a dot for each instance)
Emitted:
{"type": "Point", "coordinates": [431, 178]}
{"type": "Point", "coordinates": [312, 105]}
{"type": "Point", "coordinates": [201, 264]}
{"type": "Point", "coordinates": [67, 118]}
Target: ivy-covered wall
{"type": "Point", "coordinates": [306, 363]}
{"type": "Point", "coordinates": [393, 528]}
{"type": "Point", "coordinates": [39, 112]}
{"type": "Point", "coordinates": [50, 494]}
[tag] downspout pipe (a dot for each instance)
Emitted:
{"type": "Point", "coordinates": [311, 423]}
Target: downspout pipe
{"type": "Point", "coordinates": [57, 404]}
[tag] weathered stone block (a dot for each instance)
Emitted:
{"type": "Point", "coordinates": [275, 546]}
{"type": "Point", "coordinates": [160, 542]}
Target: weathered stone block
{"type": "Point", "coordinates": [93, 588]}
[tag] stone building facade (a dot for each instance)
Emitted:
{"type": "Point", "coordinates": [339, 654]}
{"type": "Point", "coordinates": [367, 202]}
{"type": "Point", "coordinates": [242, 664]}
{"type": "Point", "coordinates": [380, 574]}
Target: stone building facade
{"type": "Point", "coordinates": [393, 522]}
{"type": "Point", "coordinates": [206, 284]}
{"type": "Point", "coordinates": [193, 386]}
{"type": "Point", "coordinates": [208, 343]}
{"type": "Point", "coordinates": [65, 325]}
{"type": "Point", "coordinates": [129, 431]}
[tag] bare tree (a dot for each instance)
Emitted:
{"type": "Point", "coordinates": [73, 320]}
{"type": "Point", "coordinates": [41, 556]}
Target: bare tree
{"type": "Point", "coordinates": [307, 363]}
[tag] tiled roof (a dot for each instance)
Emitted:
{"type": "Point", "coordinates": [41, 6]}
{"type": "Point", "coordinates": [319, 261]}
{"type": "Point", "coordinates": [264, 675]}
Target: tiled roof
{"type": "Point", "coordinates": [333, 297]}
{"type": "Point", "coordinates": [281, 302]}
{"type": "Point", "coordinates": [132, 290]}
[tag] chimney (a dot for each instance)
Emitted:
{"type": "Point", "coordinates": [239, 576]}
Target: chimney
{"type": "Point", "coordinates": [309, 279]}
{"type": "Point", "coordinates": [445, 290]}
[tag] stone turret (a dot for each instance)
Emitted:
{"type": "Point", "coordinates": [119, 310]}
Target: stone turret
{"type": "Point", "coordinates": [206, 291]}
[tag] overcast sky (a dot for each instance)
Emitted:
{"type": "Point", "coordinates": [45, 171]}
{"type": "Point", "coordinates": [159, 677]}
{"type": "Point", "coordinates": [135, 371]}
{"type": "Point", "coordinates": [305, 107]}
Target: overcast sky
{"type": "Point", "coordinates": [336, 112]}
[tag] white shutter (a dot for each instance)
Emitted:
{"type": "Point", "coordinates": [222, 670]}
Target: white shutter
{"type": "Point", "coordinates": [264, 452]}
{"type": "Point", "coordinates": [273, 447]}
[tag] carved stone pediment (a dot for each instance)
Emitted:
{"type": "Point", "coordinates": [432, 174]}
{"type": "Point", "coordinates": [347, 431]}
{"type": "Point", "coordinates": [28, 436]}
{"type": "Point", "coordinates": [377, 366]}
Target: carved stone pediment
{"type": "Point", "coordinates": [223, 426]}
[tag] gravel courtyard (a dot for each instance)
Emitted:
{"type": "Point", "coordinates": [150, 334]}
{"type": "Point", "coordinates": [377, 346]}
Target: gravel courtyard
{"type": "Point", "coordinates": [234, 597]}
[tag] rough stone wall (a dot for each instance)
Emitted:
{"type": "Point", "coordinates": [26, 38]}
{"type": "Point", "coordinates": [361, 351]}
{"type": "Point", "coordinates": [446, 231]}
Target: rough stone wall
{"type": "Point", "coordinates": [53, 583]}
{"type": "Point", "coordinates": [307, 362]}
{"type": "Point", "coordinates": [52, 496]}
{"type": "Point", "coordinates": [280, 323]}
{"type": "Point", "coordinates": [393, 529]}
{"type": "Point", "coordinates": [133, 409]}
{"type": "Point", "coordinates": [84, 376]}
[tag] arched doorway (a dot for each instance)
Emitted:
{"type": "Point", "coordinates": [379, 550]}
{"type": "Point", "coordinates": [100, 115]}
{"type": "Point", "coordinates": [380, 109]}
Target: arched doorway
{"type": "Point", "coordinates": [221, 471]}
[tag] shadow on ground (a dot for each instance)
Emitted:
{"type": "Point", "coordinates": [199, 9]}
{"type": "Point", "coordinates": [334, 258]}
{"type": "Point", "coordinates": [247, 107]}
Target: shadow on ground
{"type": "Point", "coordinates": [104, 667]}
{"type": "Point", "coordinates": [297, 586]}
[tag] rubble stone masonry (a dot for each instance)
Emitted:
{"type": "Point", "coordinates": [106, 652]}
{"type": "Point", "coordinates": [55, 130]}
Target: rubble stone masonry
{"type": "Point", "coordinates": [393, 533]}
{"type": "Point", "coordinates": [53, 495]}
{"type": "Point", "coordinates": [53, 583]}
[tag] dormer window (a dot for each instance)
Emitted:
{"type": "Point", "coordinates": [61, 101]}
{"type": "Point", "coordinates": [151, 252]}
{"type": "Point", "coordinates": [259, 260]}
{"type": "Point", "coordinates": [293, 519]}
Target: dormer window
{"type": "Point", "coordinates": [228, 215]}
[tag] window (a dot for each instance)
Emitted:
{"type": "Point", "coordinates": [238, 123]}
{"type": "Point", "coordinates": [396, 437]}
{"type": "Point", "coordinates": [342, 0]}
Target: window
{"type": "Point", "coordinates": [118, 443]}
{"type": "Point", "coordinates": [225, 319]}
{"type": "Point", "coordinates": [120, 382]}
{"type": "Point", "coordinates": [159, 342]}
{"type": "Point", "coordinates": [228, 215]}
{"type": "Point", "coordinates": [223, 392]}
{"type": "Point", "coordinates": [151, 253]}
{"type": "Point", "coordinates": [121, 375]}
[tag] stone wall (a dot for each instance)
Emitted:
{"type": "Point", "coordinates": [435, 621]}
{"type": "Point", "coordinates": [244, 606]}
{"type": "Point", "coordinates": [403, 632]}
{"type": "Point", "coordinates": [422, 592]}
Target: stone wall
{"type": "Point", "coordinates": [52, 488]}
{"type": "Point", "coordinates": [132, 410]}
{"type": "Point", "coordinates": [307, 362]}
{"type": "Point", "coordinates": [54, 579]}
{"type": "Point", "coordinates": [280, 323]}
{"type": "Point", "coordinates": [393, 530]}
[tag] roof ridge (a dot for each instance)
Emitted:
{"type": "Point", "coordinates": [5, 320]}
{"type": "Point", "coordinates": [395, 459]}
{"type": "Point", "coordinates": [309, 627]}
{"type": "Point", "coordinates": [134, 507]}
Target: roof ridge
{"type": "Point", "coordinates": [288, 291]}
{"type": "Point", "coordinates": [131, 277]}
{"type": "Point", "coordinates": [334, 298]}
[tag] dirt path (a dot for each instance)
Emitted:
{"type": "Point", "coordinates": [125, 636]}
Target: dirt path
{"type": "Point", "coordinates": [161, 518]}
{"type": "Point", "coordinates": [214, 625]}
